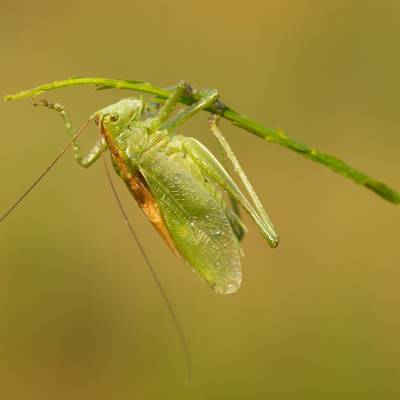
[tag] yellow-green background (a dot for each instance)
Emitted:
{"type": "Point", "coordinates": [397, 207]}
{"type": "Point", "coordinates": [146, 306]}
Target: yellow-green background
{"type": "Point", "coordinates": [318, 318]}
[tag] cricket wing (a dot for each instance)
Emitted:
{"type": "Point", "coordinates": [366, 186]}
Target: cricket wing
{"type": "Point", "coordinates": [198, 226]}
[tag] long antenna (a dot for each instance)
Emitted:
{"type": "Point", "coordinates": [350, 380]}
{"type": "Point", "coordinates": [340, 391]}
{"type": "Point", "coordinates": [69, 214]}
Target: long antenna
{"type": "Point", "coordinates": [44, 173]}
{"type": "Point", "coordinates": [181, 336]}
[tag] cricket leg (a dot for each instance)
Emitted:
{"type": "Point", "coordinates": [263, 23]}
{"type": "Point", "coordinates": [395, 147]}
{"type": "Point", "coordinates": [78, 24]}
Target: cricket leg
{"type": "Point", "coordinates": [179, 91]}
{"type": "Point", "coordinates": [97, 150]}
{"type": "Point", "coordinates": [213, 168]}
{"type": "Point", "coordinates": [207, 97]}
{"type": "Point", "coordinates": [266, 222]}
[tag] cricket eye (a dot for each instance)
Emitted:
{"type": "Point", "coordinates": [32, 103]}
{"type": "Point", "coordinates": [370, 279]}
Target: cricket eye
{"type": "Point", "coordinates": [114, 116]}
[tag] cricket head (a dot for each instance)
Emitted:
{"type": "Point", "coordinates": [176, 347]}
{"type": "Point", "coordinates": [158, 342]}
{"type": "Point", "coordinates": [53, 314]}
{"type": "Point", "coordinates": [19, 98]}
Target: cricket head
{"type": "Point", "coordinates": [116, 117]}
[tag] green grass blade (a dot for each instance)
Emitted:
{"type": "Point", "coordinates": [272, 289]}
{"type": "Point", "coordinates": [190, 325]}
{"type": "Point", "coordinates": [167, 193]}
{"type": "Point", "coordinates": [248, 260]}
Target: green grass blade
{"type": "Point", "coordinates": [274, 136]}
{"type": "Point", "coordinates": [334, 163]}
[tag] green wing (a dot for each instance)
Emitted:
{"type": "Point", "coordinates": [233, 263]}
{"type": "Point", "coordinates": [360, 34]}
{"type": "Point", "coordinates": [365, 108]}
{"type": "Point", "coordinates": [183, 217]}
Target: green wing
{"type": "Point", "coordinates": [197, 224]}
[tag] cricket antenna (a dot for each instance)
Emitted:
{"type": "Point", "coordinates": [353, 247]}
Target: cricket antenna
{"type": "Point", "coordinates": [178, 328]}
{"type": "Point", "coordinates": [43, 174]}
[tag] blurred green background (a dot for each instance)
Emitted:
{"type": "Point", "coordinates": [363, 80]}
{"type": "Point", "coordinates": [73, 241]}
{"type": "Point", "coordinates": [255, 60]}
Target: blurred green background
{"type": "Point", "coordinates": [318, 318]}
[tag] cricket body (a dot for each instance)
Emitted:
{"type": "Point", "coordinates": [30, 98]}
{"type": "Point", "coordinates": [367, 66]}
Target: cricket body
{"type": "Point", "coordinates": [178, 182]}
